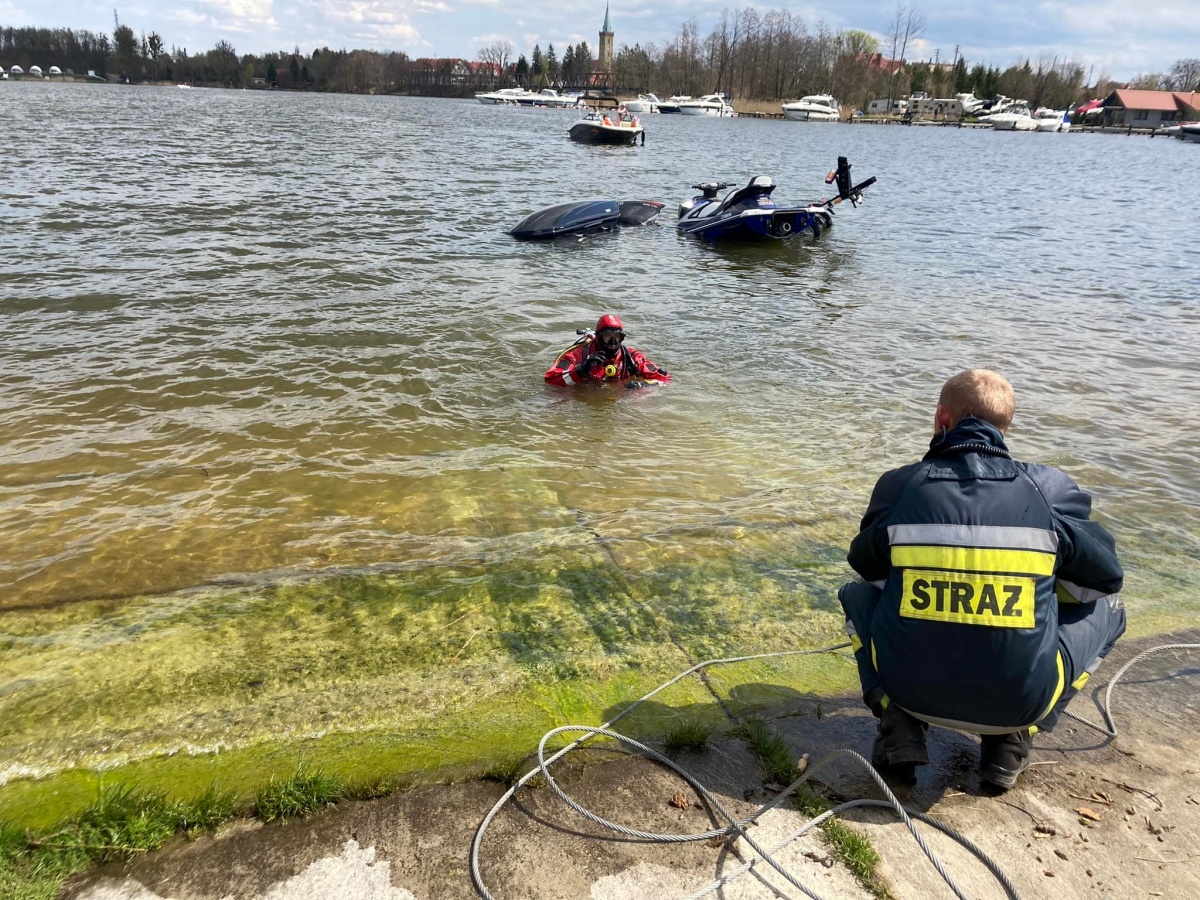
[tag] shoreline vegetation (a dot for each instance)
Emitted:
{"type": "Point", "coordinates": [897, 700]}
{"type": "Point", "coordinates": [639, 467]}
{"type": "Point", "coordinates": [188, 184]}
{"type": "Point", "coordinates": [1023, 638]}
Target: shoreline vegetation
{"type": "Point", "coordinates": [752, 56]}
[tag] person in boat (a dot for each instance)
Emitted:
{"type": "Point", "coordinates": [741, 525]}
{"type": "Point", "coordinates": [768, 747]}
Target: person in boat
{"type": "Point", "coordinates": [601, 356]}
{"type": "Point", "coordinates": [988, 596]}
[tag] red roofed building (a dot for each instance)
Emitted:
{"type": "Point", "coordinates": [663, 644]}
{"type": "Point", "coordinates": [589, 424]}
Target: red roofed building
{"type": "Point", "coordinates": [1150, 109]}
{"type": "Point", "coordinates": [876, 63]}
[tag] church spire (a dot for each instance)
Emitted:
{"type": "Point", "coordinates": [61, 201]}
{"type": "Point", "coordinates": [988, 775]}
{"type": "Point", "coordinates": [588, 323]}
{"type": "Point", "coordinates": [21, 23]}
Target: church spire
{"type": "Point", "coordinates": [607, 29]}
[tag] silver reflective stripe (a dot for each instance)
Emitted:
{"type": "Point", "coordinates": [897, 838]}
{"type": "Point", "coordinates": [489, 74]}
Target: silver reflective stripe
{"type": "Point", "coordinates": [972, 727]}
{"type": "Point", "coordinates": [1083, 594]}
{"type": "Point", "coordinates": [567, 377]}
{"type": "Point", "coordinates": [1004, 537]}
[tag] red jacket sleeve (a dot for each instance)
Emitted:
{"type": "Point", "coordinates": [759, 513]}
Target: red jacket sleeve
{"type": "Point", "coordinates": [646, 369]}
{"type": "Point", "coordinates": [568, 368]}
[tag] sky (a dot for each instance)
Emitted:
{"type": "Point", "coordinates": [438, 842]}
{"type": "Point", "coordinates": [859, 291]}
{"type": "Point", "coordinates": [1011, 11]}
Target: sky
{"type": "Point", "coordinates": [1114, 38]}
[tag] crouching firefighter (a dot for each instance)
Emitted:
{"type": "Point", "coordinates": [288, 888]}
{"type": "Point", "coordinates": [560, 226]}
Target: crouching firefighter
{"type": "Point", "coordinates": [601, 355]}
{"type": "Point", "coordinates": [988, 596]}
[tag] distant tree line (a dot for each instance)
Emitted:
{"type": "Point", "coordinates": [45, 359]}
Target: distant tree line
{"type": "Point", "coordinates": [750, 55]}
{"type": "Point", "coordinates": [756, 55]}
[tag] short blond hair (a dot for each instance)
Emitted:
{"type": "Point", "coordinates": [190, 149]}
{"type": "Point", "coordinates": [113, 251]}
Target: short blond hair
{"type": "Point", "coordinates": [982, 393]}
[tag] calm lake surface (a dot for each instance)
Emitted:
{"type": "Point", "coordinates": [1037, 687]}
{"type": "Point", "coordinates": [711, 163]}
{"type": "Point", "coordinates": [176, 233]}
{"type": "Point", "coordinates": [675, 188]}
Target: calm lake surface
{"type": "Point", "coordinates": [254, 339]}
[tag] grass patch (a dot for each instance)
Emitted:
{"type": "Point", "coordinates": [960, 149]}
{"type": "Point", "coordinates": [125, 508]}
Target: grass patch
{"type": "Point", "coordinates": [302, 794]}
{"type": "Point", "coordinates": [772, 753]}
{"type": "Point", "coordinates": [690, 735]}
{"type": "Point", "coordinates": [122, 823]}
{"type": "Point", "coordinates": [854, 850]}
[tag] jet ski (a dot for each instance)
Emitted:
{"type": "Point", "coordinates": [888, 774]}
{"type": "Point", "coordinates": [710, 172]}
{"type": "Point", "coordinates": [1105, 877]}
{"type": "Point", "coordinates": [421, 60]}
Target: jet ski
{"type": "Point", "coordinates": [585, 216]}
{"type": "Point", "coordinates": [749, 213]}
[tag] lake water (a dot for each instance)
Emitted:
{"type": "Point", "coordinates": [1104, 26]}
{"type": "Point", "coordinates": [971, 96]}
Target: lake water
{"type": "Point", "coordinates": [265, 356]}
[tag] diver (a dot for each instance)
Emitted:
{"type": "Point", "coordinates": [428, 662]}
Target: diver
{"type": "Point", "coordinates": [601, 356]}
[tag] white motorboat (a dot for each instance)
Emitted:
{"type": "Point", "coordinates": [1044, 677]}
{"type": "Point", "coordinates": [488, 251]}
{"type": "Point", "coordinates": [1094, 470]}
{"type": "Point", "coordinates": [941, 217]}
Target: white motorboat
{"type": "Point", "coordinates": [1000, 106]}
{"type": "Point", "coordinates": [1054, 120]}
{"type": "Point", "coordinates": [970, 103]}
{"type": "Point", "coordinates": [1017, 118]}
{"type": "Point", "coordinates": [671, 104]}
{"type": "Point", "coordinates": [708, 105]}
{"type": "Point", "coordinates": [510, 96]}
{"type": "Point", "coordinates": [551, 98]}
{"type": "Point", "coordinates": [645, 103]}
{"type": "Point", "coordinates": [813, 108]}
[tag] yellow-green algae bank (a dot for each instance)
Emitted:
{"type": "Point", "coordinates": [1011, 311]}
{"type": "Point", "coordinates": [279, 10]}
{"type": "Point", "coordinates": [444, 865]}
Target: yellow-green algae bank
{"type": "Point", "coordinates": [428, 672]}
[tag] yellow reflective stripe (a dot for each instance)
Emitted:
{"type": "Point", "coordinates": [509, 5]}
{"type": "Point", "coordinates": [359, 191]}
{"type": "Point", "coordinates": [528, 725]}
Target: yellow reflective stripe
{"type": "Point", "coordinates": [1058, 689]}
{"type": "Point", "coordinates": [855, 643]}
{"type": "Point", "coordinates": [974, 559]}
{"type": "Point", "coordinates": [1079, 682]}
{"type": "Point", "coordinates": [1063, 595]}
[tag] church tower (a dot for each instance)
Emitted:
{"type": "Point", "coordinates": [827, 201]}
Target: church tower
{"type": "Point", "coordinates": [606, 44]}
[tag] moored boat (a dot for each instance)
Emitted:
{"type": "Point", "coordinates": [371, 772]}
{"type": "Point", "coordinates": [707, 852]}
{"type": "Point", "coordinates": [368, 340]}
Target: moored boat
{"type": "Point", "coordinates": [708, 105]}
{"type": "Point", "coordinates": [509, 96]}
{"type": "Point", "coordinates": [1054, 120]}
{"type": "Point", "coordinates": [645, 103]}
{"type": "Point", "coordinates": [813, 108]}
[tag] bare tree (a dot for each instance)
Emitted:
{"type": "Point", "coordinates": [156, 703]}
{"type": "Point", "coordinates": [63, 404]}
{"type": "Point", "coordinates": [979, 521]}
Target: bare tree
{"type": "Point", "coordinates": [908, 25]}
{"type": "Point", "coordinates": [498, 53]}
{"type": "Point", "coordinates": [1185, 75]}
{"type": "Point", "coordinates": [723, 45]}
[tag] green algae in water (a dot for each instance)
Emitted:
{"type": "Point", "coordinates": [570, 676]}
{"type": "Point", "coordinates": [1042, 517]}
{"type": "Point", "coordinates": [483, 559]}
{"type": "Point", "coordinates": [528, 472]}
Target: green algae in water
{"type": "Point", "coordinates": [433, 673]}
{"type": "Point", "coordinates": [440, 672]}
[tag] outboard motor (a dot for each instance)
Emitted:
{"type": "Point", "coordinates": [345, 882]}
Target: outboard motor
{"type": "Point", "coordinates": [843, 178]}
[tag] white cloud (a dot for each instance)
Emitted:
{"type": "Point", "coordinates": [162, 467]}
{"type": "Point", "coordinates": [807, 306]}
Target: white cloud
{"type": "Point", "coordinates": [242, 12]}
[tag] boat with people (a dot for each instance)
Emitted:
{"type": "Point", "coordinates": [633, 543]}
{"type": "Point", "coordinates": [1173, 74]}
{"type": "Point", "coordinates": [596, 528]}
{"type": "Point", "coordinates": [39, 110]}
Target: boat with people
{"type": "Point", "coordinates": [645, 103]}
{"type": "Point", "coordinates": [708, 105]}
{"type": "Point", "coordinates": [749, 213]}
{"type": "Point", "coordinates": [671, 104]}
{"type": "Point", "coordinates": [813, 108]}
{"type": "Point", "coordinates": [598, 127]}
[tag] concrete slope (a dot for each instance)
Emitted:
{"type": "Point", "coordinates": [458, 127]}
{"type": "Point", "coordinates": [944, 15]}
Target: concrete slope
{"type": "Point", "coordinates": [1091, 819]}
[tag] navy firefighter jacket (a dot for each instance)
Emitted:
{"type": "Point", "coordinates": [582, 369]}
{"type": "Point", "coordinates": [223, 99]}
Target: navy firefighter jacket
{"type": "Point", "coordinates": [974, 552]}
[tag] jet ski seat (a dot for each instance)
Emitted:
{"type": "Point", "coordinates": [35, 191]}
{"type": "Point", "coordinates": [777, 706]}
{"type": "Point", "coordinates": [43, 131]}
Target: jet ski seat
{"type": "Point", "coordinates": [759, 184]}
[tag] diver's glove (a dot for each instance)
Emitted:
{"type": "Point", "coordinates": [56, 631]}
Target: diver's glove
{"type": "Point", "coordinates": [584, 369]}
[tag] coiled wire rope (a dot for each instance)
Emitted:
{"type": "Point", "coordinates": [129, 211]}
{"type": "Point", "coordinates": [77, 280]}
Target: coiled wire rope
{"type": "Point", "coordinates": [737, 827]}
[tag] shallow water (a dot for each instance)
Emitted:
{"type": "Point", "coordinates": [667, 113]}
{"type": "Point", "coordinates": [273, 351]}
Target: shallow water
{"type": "Point", "coordinates": [268, 356]}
